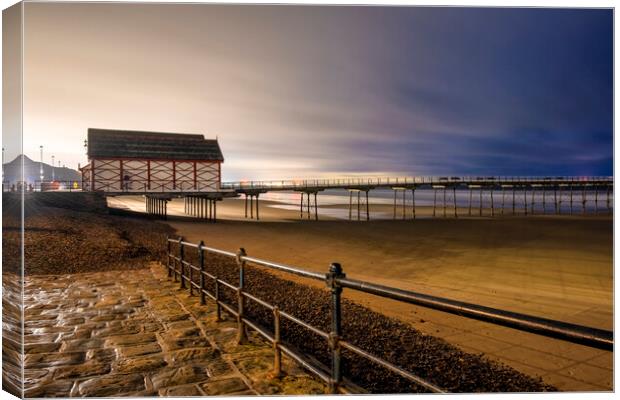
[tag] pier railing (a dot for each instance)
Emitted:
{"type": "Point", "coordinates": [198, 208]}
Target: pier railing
{"type": "Point", "coordinates": [373, 182]}
{"type": "Point", "coordinates": [335, 279]}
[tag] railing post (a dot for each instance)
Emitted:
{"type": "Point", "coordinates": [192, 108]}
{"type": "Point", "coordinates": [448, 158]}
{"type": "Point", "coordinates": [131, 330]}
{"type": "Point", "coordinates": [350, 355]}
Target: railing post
{"type": "Point", "coordinates": [201, 257]}
{"type": "Point", "coordinates": [190, 276]}
{"type": "Point", "coordinates": [168, 264]}
{"type": "Point", "coordinates": [181, 268]}
{"type": "Point", "coordinates": [218, 309]}
{"type": "Point", "coordinates": [277, 358]}
{"type": "Point", "coordinates": [335, 271]}
{"type": "Point", "coordinates": [242, 336]}
{"type": "Point", "coordinates": [174, 267]}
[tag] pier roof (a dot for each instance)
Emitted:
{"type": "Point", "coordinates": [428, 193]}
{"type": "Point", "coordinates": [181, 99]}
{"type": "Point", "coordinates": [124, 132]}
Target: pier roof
{"type": "Point", "coordinates": [111, 143]}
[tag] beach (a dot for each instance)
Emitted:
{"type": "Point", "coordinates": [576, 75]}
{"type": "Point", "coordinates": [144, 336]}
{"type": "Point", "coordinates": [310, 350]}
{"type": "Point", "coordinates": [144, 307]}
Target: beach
{"type": "Point", "coordinates": [558, 267]}
{"type": "Point", "coordinates": [110, 323]}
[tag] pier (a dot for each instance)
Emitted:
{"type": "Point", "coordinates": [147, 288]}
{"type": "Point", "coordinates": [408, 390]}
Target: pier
{"type": "Point", "coordinates": [452, 197]}
{"type": "Point", "coordinates": [517, 195]}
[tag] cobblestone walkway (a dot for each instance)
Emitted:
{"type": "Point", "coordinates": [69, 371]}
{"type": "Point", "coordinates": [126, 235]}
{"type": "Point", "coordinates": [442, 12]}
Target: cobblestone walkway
{"type": "Point", "coordinates": [136, 333]}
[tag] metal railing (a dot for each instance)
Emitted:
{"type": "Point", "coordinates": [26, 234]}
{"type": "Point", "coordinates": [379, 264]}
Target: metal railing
{"type": "Point", "coordinates": [336, 281]}
{"type": "Point", "coordinates": [373, 182]}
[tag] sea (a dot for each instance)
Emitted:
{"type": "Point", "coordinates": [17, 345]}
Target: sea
{"type": "Point", "coordinates": [426, 198]}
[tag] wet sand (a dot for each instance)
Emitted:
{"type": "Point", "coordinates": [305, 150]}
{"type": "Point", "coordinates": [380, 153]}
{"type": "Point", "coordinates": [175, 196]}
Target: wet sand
{"type": "Point", "coordinates": [554, 267]}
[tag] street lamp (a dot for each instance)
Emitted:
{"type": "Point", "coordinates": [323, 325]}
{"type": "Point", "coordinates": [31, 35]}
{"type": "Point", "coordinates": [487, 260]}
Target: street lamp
{"type": "Point", "coordinates": [41, 164]}
{"type": "Point", "coordinates": [53, 175]}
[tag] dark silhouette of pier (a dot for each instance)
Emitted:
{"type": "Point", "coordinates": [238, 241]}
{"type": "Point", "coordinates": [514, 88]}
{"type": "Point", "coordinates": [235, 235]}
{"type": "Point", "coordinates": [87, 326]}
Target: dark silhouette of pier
{"type": "Point", "coordinates": [484, 196]}
{"type": "Point", "coordinates": [514, 191]}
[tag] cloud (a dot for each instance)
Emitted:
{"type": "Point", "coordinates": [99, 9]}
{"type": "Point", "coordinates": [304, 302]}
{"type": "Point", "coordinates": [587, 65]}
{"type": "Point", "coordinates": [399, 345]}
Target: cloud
{"type": "Point", "coordinates": [303, 91]}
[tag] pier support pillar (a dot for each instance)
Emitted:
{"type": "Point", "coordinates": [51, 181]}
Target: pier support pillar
{"type": "Point", "coordinates": [503, 199]}
{"type": "Point", "coordinates": [444, 202]}
{"type": "Point", "coordinates": [571, 199]}
{"type": "Point", "coordinates": [394, 217]}
{"type": "Point", "coordinates": [362, 205]}
{"type": "Point", "coordinates": [257, 216]}
{"type": "Point", "coordinates": [250, 202]}
{"type": "Point", "coordinates": [201, 207]}
{"type": "Point", "coordinates": [402, 204]}
{"type": "Point", "coordinates": [367, 206]}
{"type": "Point", "coordinates": [608, 200]}
{"type": "Point", "coordinates": [583, 199]}
{"type": "Point", "coordinates": [595, 199]}
{"type": "Point", "coordinates": [314, 208]}
{"type": "Point", "coordinates": [157, 207]}
{"type": "Point", "coordinates": [456, 213]}
{"type": "Point", "coordinates": [471, 196]}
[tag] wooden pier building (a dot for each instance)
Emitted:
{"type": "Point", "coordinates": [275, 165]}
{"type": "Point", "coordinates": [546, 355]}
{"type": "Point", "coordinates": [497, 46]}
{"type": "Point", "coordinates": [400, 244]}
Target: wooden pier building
{"type": "Point", "coordinates": [151, 162]}
{"type": "Point", "coordinates": [157, 165]}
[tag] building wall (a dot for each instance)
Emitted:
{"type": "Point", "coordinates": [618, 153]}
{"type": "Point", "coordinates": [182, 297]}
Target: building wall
{"type": "Point", "coordinates": [86, 177]}
{"type": "Point", "coordinates": [155, 175]}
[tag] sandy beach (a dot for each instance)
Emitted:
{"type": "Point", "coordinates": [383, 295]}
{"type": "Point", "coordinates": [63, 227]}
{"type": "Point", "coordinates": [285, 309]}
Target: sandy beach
{"type": "Point", "coordinates": [549, 266]}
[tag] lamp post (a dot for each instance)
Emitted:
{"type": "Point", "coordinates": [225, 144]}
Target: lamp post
{"type": "Point", "coordinates": [41, 164]}
{"type": "Point", "coordinates": [53, 175]}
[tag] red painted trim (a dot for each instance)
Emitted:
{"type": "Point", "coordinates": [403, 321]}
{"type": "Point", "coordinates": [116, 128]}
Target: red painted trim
{"type": "Point", "coordinates": [195, 176]}
{"type": "Point", "coordinates": [174, 175]}
{"type": "Point", "coordinates": [145, 175]}
{"type": "Point", "coordinates": [121, 174]}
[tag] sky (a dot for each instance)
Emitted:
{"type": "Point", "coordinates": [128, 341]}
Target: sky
{"type": "Point", "coordinates": [306, 91]}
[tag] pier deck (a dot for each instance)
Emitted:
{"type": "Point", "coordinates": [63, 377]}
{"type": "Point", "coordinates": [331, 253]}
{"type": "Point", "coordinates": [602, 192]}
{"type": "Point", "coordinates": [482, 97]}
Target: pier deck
{"type": "Point", "coordinates": [358, 189]}
{"type": "Point", "coordinates": [369, 183]}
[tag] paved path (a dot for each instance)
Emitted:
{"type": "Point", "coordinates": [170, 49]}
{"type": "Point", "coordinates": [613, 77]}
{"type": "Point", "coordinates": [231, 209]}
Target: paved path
{"type": "Point", "coordinates": [135, 333]}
